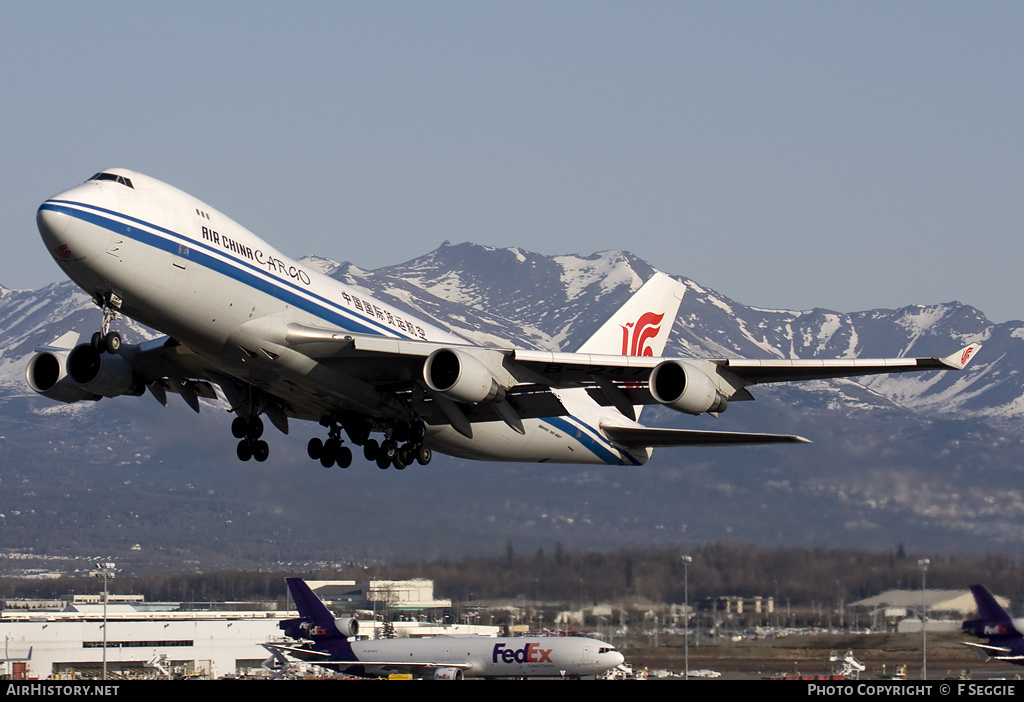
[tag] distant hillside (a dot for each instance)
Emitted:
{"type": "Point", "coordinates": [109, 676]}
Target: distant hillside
{"type": "Point", "coordinates": [930, 461]}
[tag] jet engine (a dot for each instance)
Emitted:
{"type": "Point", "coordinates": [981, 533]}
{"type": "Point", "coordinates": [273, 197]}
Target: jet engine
{"type": "Point", "coordinates": [47, 374]}
{"type": "Point", "coordinates": [447, 674]}
{"type": "Point", "coordinates": [461, 377]}
{"type": "Point", "coordinates": [685, 388]}
{"type": "Point", "coordinates": [106, 374]}
{"type": "Point", "coordinates": [347, 626]}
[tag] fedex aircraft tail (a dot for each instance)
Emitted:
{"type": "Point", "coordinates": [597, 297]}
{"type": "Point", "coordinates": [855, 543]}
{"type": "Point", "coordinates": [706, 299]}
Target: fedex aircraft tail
{"type": "Point", "coordinates": [315, 620]}
{"type": "Point", "coordinates": [993, 622]}
{"type": "Point", "coordinates": [641, 326]}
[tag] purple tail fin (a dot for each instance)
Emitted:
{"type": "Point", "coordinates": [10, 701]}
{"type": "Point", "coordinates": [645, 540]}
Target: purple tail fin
{"type": "Point", "coordinates": [309, 605]}
{"type": "Point", "coordinates": [315, 621]}
{"type": "Point", "coordinates": [993, 622]}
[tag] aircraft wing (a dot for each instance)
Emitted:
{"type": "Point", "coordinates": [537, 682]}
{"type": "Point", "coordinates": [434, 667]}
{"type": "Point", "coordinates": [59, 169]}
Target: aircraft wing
{"type": "Point", "coordinates": [622, 381]}
{"type": "Point", "coordinates": [316, 657]}
{"type": "Point", "coordinates": [570, 366]}
{"type": "Point", "coordinates": [464, 384]}
{"type": "Point", "coordinates": [640, 437]}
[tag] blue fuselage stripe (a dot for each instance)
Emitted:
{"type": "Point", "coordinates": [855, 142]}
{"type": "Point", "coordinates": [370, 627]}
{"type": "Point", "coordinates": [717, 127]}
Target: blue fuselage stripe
{"type": "Point", "coordinates": [608, 455]}
{"type": "Point", "coordinates": [202, 254]}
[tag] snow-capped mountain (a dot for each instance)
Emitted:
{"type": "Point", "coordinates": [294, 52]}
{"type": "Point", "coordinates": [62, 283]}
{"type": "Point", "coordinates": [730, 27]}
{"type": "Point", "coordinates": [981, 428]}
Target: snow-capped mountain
{"type": "Point", "coordinates": [929, 460]}
{"type": "Point", "coordinates": [500, 296]}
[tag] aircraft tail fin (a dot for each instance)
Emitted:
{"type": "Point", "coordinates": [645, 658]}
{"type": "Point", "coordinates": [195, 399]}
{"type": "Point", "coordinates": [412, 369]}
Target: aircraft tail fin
{"type": "Point", "coordinates": [315, 620]}
{"type": "Point", "coordinates": [640, 327]}
{"type": "Point", "coordinates": [309, 605]}
{"type": "Point", "coordinates": [993, 622]}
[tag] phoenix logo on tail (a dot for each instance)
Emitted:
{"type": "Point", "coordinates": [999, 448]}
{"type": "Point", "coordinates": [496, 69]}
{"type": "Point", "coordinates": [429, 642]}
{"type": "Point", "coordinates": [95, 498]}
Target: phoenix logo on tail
{"type": "Point", "coordinates": [643, 329]}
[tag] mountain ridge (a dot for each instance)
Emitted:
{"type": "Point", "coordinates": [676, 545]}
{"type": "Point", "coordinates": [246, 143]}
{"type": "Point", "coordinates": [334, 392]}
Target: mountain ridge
{"type": "Point", "coordinates": [925, 460]}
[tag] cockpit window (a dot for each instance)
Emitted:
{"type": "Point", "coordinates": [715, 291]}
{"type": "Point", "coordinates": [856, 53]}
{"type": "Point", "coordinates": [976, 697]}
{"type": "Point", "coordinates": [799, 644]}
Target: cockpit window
{"type": "Point", "coordinates": [116, 178]}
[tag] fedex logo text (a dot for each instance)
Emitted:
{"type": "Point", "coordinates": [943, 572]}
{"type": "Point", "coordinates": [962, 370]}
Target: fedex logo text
{"type": "Point", "coordinates": [530, 653]}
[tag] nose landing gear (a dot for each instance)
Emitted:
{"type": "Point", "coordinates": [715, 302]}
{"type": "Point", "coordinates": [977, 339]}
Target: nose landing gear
{"type": "Point", "coordinates": [104, 339]}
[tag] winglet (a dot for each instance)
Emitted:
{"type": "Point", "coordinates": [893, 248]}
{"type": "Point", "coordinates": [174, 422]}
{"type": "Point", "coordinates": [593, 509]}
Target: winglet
{"type": "Point", "coordinates": [961, 358]}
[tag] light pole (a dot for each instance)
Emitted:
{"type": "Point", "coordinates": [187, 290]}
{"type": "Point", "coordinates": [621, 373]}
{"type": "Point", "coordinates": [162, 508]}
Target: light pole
{"type": "Point", "coordinates": [104, 570]}
{"type": "Point", "coordinates": [924, 562]}
{"type": "Point", "coordinates": [686, 614]}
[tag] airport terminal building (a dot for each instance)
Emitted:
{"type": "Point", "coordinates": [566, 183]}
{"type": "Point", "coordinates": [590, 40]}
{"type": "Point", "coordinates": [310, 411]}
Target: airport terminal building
{"type": "Point", "coordinates": [70, 643]}
{"type": "Point", "coordinates": [63, 640]}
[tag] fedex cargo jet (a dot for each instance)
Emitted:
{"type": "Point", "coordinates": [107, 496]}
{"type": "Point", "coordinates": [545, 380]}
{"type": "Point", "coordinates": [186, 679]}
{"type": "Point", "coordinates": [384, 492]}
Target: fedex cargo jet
{"type": "Point", "coordinates": [333, 643]}
{"type": "Point", "coordinates": [285, 342]}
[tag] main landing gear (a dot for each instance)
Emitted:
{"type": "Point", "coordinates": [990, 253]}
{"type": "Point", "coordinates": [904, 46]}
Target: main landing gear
{"type": "Point", "coordinates": [331, 451]}
{"type": "Point", "coordinates": [249, 430]}
{"type": "Point", "coordinates": [402, 446]}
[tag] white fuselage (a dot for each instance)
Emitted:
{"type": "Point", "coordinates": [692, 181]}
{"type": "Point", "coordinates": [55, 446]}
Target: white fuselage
{"type": "Point", "coordinates": [180, 266]}
{"type": "Point", "coordinates": [480, 656]}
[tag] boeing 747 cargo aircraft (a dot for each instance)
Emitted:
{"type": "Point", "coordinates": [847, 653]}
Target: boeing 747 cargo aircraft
{"type": "Point", "coordinates": [285, 342]}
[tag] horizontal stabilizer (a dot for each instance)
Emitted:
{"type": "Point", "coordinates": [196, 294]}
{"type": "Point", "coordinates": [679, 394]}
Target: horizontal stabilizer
{"type": "Point", "coordinates": [989, 650]}
{"type": "Point", "coordinates": [643, 437]}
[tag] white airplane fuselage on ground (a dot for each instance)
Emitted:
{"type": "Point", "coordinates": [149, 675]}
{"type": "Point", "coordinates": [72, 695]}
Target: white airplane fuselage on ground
{"type": "Point", "coordinates": [333, 643]}
{"type": "Point", "coordinates": [476, 656]}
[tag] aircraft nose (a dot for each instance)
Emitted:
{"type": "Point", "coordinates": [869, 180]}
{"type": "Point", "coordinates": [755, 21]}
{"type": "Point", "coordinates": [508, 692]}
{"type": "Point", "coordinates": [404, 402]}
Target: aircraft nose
{"type": "Point", "coordinates": [52, 224]}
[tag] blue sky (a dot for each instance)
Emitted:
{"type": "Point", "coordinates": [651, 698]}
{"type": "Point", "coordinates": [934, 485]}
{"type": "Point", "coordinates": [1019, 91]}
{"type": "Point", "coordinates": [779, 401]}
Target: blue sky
{"type": "Point", "coordinates": [787, 154]}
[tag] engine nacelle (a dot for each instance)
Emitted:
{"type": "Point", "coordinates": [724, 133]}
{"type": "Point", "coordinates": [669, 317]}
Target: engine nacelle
{"type": "Point", "coordinates": [347, 626]}
{"type": "Point", "coordinates": [685, 388]}
{"type": "Point", "coordinates": [461, 377]}
{"type": "Point", "coordinates": [447, 674]}
{"type": "Point", "coordinates": [103, 374]}
{"type": "Point", "coordinates": [47, 374]}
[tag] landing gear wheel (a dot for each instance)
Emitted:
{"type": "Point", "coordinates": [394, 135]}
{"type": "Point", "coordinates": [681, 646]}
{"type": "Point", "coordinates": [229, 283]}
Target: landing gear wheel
{"type": "Point", "coordinates": [417, 431]}
{"type": "Point", "coordinates": [112, 342]}
{"type": "Point", "coordinates": [408, 454]}
{"type": "Point", "coordinates": [397, 461]}
{"type": "Point", "coordinates": [423, 455]}
{"type": "Point", "coordinates": [97, 342]}
{"type": "Point", "coordinates": [315, 448]}
{"type": "Point", "coordinates": [370, 449]}
{"type": "Point", "coordinates": [244, 451]}
{"type": "Point", "coordinates": [238, 427]}
{"type": "Point", "coordinates": [383, 461]}
{"type": "Point", "coordinates": [344, 457]}
{"type": "Point", "coordinates": [261, 451]}
{"type": "Point", "coordinates": [254, 428]}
